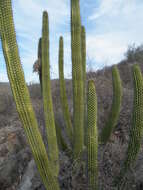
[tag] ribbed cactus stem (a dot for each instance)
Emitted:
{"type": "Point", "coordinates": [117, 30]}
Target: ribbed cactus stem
{"type": "Point", "coordinates": [83, 55]}
{"type": "Point", "coordinates": [92, 137]}
{"type": "Point", "coordinates": [40, 61]}
{"type": "Point", "coordinates": [64, 101]}
{"type": "Point", "coordinates": [62, 144]}
{"type": "Point", "coordinates": [47, 97]}
{"type": "Point", "coordinates": [136, 131]}
{"type": "Point", "coordinates": [77, 79]}
{"type": "Point", "coordinates": [116, 106]}
{"type": "Point", "coordinates": [21, 95]}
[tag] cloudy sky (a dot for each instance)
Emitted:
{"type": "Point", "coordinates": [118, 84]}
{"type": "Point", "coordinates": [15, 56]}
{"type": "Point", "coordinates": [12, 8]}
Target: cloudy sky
{"type": "Point", "coordinates": [111, 26]}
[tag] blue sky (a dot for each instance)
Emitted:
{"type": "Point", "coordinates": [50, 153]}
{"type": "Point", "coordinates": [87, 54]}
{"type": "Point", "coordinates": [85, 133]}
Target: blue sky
{"type": "Point", "coordinates": [111, 26]}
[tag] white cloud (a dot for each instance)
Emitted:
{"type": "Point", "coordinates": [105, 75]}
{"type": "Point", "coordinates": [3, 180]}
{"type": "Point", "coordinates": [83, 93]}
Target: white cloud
{"type": "Point", "coordinates": [32, 11]}
{"type": "Point", "coordinates": [113, 8]}
{"type": "Point", "coordinates": [106, 48]}
{"type": "Point", "coordinates": [112, 26]}
{"type": "Point", "coordinates": [115, 25]}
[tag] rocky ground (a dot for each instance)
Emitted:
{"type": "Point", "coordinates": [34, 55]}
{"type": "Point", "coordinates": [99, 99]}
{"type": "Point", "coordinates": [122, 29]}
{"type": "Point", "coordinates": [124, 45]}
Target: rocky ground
{"type": "Point", "coordinates": [17, 167]}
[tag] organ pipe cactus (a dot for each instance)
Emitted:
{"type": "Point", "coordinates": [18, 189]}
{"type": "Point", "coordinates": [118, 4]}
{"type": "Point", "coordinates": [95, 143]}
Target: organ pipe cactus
{"type": "Point", "coordinates": [77, 79]}
{"type": "Point", "coordinates": [92, 137]}
{"type": "Point", "coordinates": [40, 61]}
{"type": "Point", "coordinates": [37, 67]}
{"type": "Point", "coordinates": [48, 165]}
{"type": "Point", "coordinates": [61, 141]}
{"type": "Point", "coordinates": [116, 106]}
{"type": "Point", "coordinates": [47, 97]}
{"type": "Point", "coordinates": [136, 131]}
{"type": "Point", "coordinates": [21, 95]}
{"type": "Point", "coordinates": [83, 55]}
{"type": "Point", "coordinates": [64, 101]}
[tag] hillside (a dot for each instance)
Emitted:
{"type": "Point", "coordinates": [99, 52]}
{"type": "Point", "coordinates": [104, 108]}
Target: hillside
{"type": "Point", "coordinates": [17, 168]}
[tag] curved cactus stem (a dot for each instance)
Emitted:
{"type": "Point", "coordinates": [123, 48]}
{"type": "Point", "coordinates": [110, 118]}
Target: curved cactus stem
{"type": "Point", "coordinates": [136, 131]}
{"type": "Point", "coordinates": [47, 98]}
{"type": "Point", "coordinates": [115, 109]}
{"type": "Point", "coordinates": [77, 79]}
{"type": "Point", "coordinates": [83, 55]}
{"type": "Point", "coordinates": [92, 137]}
{"type": "Point", "coordinates": [21, 95]}
{"type": "Point", "coordinates": [64, 101]}
{"type": "Point", "coordinates": [61, 141]}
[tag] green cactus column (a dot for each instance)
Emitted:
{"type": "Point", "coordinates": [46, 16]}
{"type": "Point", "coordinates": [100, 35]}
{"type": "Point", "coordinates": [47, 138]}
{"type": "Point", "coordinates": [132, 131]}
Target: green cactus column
{"type": "Point", "coordinates": [136, 131]}
{"type": "Point", "coordinates": [47, 97]}
{"type": "Point", "coordinates": [77, 79]}
{"type": "Point", "coordinates": [62, 144]}
{"type": "Point", "coordinates": [83, 55]}
{"type": "Point", "coordinates": [64, 101]}
{"type": "Point", "coordinates": [115, 109]}
{"type": "Point", "coordinates": [92, 137]}
{"type": "Point", "coordinates": [21, 95]}
{"type": "Point", "coordinates": [40, 61]}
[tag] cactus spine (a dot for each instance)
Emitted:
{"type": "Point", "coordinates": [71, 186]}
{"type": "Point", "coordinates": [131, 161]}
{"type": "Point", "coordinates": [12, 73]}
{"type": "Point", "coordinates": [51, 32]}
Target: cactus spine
{"type": "Point", "coordinates": [116, 106]}
{"type": "Point", "coordinates": [21, 95]}
{"type": "Point", "coordinates": [64, 101]}
{"type": "Point", "coordinates": [47, 97]}
{"type": "Point", "coordinates": [136, 132]}
{"type": "Point", "coordinates": [77, 79]}
{"type": "Point", "coordinates": [92, 137]}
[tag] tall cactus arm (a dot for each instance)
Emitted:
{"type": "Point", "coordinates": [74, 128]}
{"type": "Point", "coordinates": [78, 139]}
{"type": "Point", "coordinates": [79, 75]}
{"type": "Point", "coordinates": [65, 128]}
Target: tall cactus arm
{"type": "Point", "coordinates": [40, 60]}
{"type": "Point", "coordinates": [62, 144]}
{"type": "Point", "coordinates": [77, 79]}
{"type": "Point", "coordinates": [47, 97]}
{"type": "Point", "coordinates": [83, 51]}
{"type": "Point", "coordinates": [136, 132]}
{"type": "Point", "coordinates": [92, 137]}
{"type": "Point", "coordinates": [21, 95]}
{"type": "Point", "coordinates": [63, 95]}
{"type": "Point", "coordinates": [116, 106]}
{"type": "Point", "coordinates": [83, 55]}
